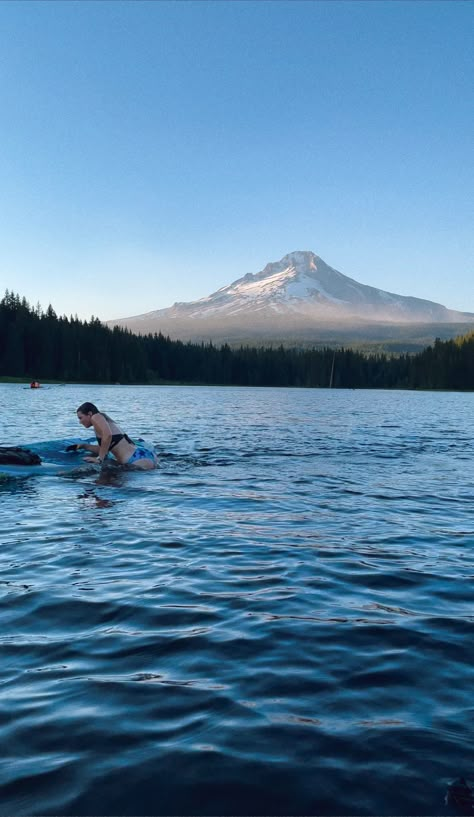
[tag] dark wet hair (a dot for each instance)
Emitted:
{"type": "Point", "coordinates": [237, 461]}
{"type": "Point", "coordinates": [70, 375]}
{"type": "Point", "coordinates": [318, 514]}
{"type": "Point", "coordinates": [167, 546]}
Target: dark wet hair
{"type": "Point", "coordinates": [90, 407]}
{"type": "Point", "coordinates": [86, 408]}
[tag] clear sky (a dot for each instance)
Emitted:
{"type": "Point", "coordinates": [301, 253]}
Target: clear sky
{"type": "Point", "coordinates": [152, 152]}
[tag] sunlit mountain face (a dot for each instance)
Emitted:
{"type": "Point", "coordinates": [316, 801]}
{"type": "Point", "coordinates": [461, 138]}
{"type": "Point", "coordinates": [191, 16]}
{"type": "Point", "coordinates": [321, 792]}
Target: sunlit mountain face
{"type": "Point", "coordinates": [298, 294]}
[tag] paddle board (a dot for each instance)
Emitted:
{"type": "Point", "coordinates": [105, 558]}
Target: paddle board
{"type": "Point", "coordinates": [55, 459]}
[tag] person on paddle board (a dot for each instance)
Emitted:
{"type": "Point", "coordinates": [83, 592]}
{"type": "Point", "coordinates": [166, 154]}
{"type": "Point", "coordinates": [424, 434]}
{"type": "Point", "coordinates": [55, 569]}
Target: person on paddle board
{"type": "Point", "coordinates": [111, 438]}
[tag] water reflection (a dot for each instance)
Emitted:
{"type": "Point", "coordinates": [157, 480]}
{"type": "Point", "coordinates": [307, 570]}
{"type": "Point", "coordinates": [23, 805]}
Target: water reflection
{"type": "Point", "coordinates": [92, 498]}
{"type": "Point", "coordinates": [277, 620]}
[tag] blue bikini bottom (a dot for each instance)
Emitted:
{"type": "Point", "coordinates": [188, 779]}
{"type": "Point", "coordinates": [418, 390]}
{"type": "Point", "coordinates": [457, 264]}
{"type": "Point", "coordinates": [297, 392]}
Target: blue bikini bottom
{"type": "Point", "coordinates": [142, 454]}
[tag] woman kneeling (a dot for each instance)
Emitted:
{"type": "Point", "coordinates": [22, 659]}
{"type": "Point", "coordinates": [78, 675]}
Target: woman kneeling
{"type": "Point", "coordinates": [111, 438]}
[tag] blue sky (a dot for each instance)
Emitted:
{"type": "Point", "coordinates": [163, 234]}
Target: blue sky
{"type": "Point", "coordinates": [152, 152]}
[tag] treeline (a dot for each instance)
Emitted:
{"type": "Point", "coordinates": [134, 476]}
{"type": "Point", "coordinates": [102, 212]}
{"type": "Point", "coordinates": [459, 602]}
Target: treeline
{"type": "Point", "coordinates": [37, 344]}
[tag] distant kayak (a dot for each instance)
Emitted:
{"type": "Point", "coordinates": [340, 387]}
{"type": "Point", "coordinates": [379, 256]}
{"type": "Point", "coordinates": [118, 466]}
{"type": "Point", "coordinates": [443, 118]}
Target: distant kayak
{"type": "Point", "coordinates": [43, 388]}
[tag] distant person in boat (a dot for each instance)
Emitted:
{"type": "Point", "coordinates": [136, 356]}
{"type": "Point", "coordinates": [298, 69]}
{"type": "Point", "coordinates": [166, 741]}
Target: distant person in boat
{"type": "Point", "coordinates": [35, 384]}
{"type": "Point", "coordinates": [110, 437]}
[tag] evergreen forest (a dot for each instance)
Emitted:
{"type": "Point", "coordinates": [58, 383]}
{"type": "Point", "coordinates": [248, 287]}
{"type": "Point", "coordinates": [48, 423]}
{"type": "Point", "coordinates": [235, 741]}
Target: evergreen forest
{"type": "Point", "coordinates": [37, 344]}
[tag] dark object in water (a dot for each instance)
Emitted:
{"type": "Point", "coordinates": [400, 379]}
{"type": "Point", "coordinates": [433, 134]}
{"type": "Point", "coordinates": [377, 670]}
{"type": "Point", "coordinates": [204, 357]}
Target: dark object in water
{"type": "Point", "coordinates": [73, 447]}
{"type": "Point", "coordinates": [461, 796]}
{"type": "Point", "coordinates": [13, 455]}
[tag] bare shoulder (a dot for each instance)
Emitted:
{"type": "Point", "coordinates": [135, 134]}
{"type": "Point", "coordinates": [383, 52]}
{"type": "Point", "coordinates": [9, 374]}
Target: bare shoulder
{"type": "Point", "coordinates": [100, 423]}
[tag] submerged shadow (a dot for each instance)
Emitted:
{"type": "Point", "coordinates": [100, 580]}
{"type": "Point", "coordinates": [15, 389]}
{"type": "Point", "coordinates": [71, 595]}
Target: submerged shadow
{"type": "Point", "coordinates": [90, 496]}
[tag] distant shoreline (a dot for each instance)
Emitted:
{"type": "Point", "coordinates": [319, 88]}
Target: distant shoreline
{"type": "Point", "coordinates": [22, 382]}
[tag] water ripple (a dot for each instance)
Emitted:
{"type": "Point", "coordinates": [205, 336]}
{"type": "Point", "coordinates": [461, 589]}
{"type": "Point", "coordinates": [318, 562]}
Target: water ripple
{"type": "Point", "coordinates": [279, 620]}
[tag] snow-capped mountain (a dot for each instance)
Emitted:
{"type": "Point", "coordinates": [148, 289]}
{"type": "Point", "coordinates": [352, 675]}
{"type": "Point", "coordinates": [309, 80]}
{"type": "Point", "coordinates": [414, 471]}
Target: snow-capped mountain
{"type": "Point", "coordinates": [299, 290]}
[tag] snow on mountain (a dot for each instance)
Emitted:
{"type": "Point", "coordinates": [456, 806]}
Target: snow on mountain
{"type": "Point", "coordinates": [300, 289]}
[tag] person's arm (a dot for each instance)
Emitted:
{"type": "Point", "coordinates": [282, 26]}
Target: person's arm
{"type": "Point", "coordinates": [102, 430]}
{"type": "Point", "coordinates": [92, 447]}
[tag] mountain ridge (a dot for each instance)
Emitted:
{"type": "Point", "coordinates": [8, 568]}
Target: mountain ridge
{"type": "Point", "coordinates": [300, 293]}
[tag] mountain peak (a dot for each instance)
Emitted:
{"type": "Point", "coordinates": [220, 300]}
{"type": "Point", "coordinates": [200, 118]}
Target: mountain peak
{"type": "Point", "coordinates": [299, 259]}
{"type": "Point", "coordinates": [299, 290]}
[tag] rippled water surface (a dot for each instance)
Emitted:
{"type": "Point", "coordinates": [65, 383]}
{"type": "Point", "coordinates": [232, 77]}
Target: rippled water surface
{"type": "Point", "coordinates": [279, 620]}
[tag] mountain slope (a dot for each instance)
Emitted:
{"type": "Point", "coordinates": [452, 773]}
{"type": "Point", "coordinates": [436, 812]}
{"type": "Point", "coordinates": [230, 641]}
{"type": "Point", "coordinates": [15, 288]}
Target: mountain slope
{"type": "Point", "coordinates": [296, 294]}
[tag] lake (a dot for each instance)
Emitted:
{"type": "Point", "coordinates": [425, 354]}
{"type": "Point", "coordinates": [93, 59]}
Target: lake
{"type": "Point", "coordinates": [277, 621]}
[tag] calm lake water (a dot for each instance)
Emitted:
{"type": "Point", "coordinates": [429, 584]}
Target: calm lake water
{"type": "Point", "coordinates": [278, 621]}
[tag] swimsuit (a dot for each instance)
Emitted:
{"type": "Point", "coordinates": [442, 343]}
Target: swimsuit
{"type": "Point", "coordinates": [141, 453]}
{"type": "Point", "coordinates": [116, 439]}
